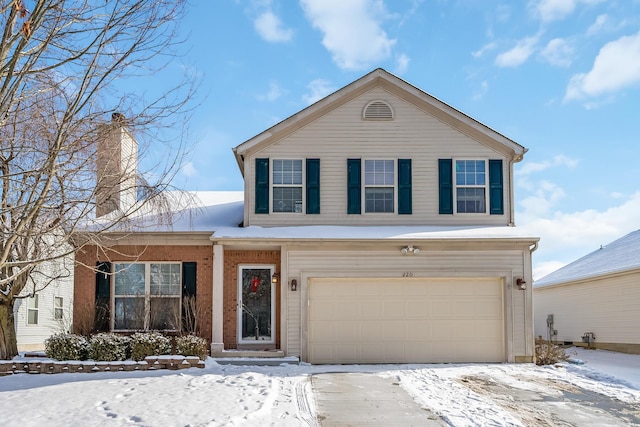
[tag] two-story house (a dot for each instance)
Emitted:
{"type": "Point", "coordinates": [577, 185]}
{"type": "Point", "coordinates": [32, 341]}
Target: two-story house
{"type": "Point", "coordinates": [377, 225]}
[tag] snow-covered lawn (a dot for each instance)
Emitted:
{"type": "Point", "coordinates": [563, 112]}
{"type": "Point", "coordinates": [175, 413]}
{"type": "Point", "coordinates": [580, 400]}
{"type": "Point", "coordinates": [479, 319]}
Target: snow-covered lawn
{"type": "Point", "coordinates": [223, 395]}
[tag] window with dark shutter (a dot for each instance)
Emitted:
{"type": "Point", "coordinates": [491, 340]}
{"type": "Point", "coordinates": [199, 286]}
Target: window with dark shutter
{"type": "Point", "coordinates": [353, 186]}
{"type": "Point", "coordinates": [313, 186]}
{"type": "Point", "coordinates": [496, 192]}
{"type": "Point", "coordinates": [445, 183]}
{"type": "Point", "coordinates": [404, 187]}
{"type": "Point", "coordinates": [262, 186]}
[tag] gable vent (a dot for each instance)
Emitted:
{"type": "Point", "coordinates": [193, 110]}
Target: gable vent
{"type": "Point", "coordinates": [377, 110]}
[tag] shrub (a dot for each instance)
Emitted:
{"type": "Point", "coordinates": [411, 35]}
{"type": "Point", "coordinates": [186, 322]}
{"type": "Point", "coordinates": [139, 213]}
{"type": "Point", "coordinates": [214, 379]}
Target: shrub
{"type": "Point", "coordinates": [109, 347]}
{"type": "Point", "coordinates": [149, 344]}
{"type": "Point", "coordinates": [548, 353]}
{"type": "Point", "coordinates": [191, 345]}
{"type": "Point", "coordinates": [66, 347]}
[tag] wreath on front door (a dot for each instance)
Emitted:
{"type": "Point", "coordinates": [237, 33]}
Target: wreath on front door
{"type": "Point", "coordinates": [256, 289]}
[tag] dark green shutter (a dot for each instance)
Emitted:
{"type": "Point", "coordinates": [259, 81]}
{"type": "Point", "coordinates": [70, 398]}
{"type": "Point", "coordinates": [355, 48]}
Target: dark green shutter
{"type": "Point", "coordinates": [313, 186]}
{"type": "Point", "coordinates": [496, 193]}
{"type": "Point", "coordinates": [189, 279]}
{"type": "Point", "coordinates": [262, 186]}
{"type": "Point", "coordinates": [103, 296]}
{"type": "Point", "coordinates": [404, 187]}
{"type": "Point", "coordinates": [353, 186]}
{"type": "Point", "coordinates": [189, 296]}
{"type": "Point", "coordinates": [445, 183]}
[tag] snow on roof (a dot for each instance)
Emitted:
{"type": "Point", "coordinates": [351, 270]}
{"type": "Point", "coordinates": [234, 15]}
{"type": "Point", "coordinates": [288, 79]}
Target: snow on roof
{"type": "Point", "coordinates": [618, 256]}
{"type": "Point", "coordinates": [180, 211]}
{"type": "Point", "coordinates": [222, 212]}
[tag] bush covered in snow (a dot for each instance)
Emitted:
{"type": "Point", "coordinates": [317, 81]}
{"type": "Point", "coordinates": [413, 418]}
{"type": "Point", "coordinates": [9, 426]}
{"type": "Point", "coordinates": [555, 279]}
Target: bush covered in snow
{"type": "Point", "coordinates": [109, 347]}
{"type": "Point", "coordinates": [191, 345]}
{"type": "Point", "coordinates": [548, 353]}
{"type": "Point", "coordinates": [145, 344]}
{"type": "Point", "coordinates": [67, 347]}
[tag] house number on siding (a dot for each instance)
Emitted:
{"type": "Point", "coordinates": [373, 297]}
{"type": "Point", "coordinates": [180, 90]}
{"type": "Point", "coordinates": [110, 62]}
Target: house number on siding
{"type": "Point", "coordinates": [407, 274]}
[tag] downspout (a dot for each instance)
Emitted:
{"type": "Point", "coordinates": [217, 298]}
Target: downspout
{"type": "Point", "coordinates": [531, 338]}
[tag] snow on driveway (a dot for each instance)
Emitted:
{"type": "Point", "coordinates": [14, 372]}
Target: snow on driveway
{"type": "Point", "coordinates": [607, 393]}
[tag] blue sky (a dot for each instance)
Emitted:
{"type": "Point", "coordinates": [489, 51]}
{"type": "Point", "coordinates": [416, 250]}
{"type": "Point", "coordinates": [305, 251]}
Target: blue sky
{"type": "Point", "coordinates": [560, 77]}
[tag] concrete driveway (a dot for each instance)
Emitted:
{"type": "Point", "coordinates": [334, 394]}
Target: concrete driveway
{"type": "Point", "coordinates": [355, 399]}
{"type": "Point", "coordinates": [366, 399]}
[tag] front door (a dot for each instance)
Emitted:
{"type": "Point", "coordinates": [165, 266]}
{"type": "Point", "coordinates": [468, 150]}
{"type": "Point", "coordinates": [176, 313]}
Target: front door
{"type": "Point", "coordinates": [256, 299]}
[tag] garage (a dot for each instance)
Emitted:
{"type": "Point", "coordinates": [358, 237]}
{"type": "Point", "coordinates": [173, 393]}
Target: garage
{"type": "Point", "coordinates": [409, 320]}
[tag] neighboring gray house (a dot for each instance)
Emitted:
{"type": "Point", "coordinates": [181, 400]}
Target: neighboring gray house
{"type": "Point", "coordinates": [50, 309]}
{"type": "Point", "coordinates": [595, 299]}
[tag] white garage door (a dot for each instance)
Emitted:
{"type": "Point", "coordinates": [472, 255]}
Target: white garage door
{"type": "Point", "coordinates": [405, 321]}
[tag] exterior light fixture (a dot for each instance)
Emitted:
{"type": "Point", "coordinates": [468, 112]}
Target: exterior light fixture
{"type": "Point", "coordinates": [521, 283]}
{"type": "Point", "coordinates": [405, 250]}
{"type": "Point", "coordinates": [275, 278]}
{"type": "Point", "coordinates": [294, 285]}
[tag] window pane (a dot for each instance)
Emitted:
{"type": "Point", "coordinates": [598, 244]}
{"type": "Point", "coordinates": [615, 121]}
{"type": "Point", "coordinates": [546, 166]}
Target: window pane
{"type": "Point", "coordinates": [129, 279]}
{"type": "Point", "coordinates": [58, 308]}
{"type": "Point", "coordinates": [287, 172]}
{"type": "Point", "coordinates": [378, 199]}
{"type": "Point", "coordinates": [164, 313]}
{"type": "Point", "coordinates": [129, 313]}
{"type": "Point", "coordinates": [470, 200]}
{"type": "Point", "coordinates": [379, 172]}
{"type": "Point", "coordinates": [165, 279]}
{"type": "Point", "coordinates": [33, 301]}
{"type": "Point", "coordinates": [287, 199]}
{"type": "Point", "coordinates": [32, 317]}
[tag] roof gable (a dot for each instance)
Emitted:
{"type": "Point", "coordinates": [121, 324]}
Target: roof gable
{"type": "Point", "coordinates": [619, 256]}
{"type": "Point", "coordinates": [393, 84]}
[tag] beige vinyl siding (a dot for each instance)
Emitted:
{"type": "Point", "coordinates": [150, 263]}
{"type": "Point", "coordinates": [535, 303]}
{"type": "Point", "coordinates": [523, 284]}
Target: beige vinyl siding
{"type": "Point", "coordinates": [342, 134]}
{"type": "Point", "coordinates": [607, 306]}
{"type": "Point", "coordinates": [332, 262]}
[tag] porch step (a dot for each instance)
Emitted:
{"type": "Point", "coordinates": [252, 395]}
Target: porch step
{"type": "Point", "coordinates": [253, 357]}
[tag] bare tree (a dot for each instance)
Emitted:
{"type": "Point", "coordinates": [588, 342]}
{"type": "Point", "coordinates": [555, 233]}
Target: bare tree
{"type": "Point", "coordinates": [62, 68]}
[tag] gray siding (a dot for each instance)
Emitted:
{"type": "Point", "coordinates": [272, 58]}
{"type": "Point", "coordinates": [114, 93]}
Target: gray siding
{"type": "Point", "coordinates": [608, 307]}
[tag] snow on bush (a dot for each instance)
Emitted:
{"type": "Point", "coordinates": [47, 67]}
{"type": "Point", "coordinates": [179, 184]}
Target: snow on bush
{"type": "Point", "coordinates": [66, 347]}
{"type": "Point", "coordinates": [548, 353]}
{"type": "Point", "coordinates": [109, 347]}
{"type": "Point", "coordinates": [191, 345]}
{"type": "Point", "coordinates": [145, 344]}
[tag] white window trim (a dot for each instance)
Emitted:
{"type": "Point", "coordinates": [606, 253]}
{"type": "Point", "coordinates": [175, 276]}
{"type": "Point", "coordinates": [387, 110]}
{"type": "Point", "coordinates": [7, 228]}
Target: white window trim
{"type": "Point", "coordinates": [363, 200]}
{"type": "Point", "coordinates": [302, 185]}
{"type": "Point", "coordinates": [485, 186]}
{"type": "Point", "coordinates": [272, 269]}
{"type": "Point", "coordinates": [147, 292]}
{"type": "Point", "coordinates": [35, 298]}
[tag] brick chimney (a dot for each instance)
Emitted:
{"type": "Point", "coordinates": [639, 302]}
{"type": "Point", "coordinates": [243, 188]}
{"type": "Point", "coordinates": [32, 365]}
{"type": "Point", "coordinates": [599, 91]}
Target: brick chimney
{"type": "Point", "coordinates": [116, 167]}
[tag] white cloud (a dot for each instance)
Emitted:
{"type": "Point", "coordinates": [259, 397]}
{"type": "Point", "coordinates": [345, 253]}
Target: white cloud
{"type": "Point", "coordinates": [482, 91]}
{"type": "Point", "coordinates": [560, 160]}
{"type": "Point", "coordinates": [352, 30]}
{"type": "Point", "coordinates": [601, 23]}
{"type": "Point", "coordinates": [318, 89]}
{"type": "Point", "coordinates": [518, 54]}
{"type": "Point", "coordinates": [553, 10]}
{"type": "Point", "coordinates": [616, 67]}
{"type": "Point", "coordinates": [275, 92]}
{"type": "Point", "coordinates": [189, 169]}
{"type": "Point", "coordinates": [567, 236]}
{"type": "Point", "coordinates": [558, 52]}
{"type": "Point", "coordinates": [484, 49]}
{"type": "Point", "coordinates": [402, 63]}
{"type": "Point", "coordinates": [271, 29]}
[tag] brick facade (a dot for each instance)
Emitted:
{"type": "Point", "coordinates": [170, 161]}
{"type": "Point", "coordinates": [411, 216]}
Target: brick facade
{"type": "Point", "coordinates": [85, 275]}
{"type": "Point", "coordinates": [233, 258]}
